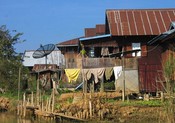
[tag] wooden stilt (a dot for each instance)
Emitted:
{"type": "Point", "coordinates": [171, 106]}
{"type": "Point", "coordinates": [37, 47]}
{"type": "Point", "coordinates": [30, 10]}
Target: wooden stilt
{"type": "Point", "coordinates": [53, 100]}
{"type": "Point", "coordinates": [24, 105]}
{"type": "Point", "coordinates": [90, 104]}
{"type": "Point", "coordinates": [32, 99]}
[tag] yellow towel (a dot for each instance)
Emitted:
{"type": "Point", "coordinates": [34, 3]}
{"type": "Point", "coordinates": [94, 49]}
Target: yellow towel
{"type": "Point", "coordinates": [72, 74]}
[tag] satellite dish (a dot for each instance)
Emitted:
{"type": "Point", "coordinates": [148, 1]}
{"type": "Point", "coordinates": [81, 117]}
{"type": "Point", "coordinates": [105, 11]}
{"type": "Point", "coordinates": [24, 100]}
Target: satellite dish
{"type": "Point", "coordinates": [43, 51]}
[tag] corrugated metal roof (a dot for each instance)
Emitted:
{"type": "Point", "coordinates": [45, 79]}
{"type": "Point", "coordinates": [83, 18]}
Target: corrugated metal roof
{"type": "Point", "coordinates": [164, 36]}
{"type": "Point", "coordinates": [100, 29]}
{"type": "Point", "coordinates": [72, 42]}
{"type": "Point", "coordinates": [55, 57]}
{"type": "Point", "coordinates": [89, 32]}
{"type": "Point", "coordinates": [139, 21]}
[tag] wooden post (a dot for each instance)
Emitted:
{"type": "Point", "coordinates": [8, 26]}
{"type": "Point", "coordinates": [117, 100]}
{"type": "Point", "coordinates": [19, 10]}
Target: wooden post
{"type": "Point", "coordinates": [53, 100]}
{"type": "Point", "coordinates": [93, 84]}
{"type": "Point", "coordinates": [90, 103]}
{"type": "Point", "coordinates": [146, 97]}
{"type": "Point", "coordinates": [24, 105]}
{"type": "Point", "coordinates": [123, 66]}
{"type": "Point", "coordinates": [32, 99]}
{"type": "Point", "coordinates": [102, 85]}
{"type": "Point", "coordinates": [19, 79]}
{"type": "Point", "coordinates": [42, 105]}
{"type": "Point", "coordinates": [37, 91]}
{"type": "Point", "coordinates": [162, 96]}
{"type": "Point", "coordinates": [47, 103]}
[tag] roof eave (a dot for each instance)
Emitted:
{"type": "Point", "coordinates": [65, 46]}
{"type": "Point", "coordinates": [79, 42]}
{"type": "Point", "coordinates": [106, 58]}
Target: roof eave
{"type": "Point", "coordinates": [76, 45]}
{"type": "Point", "coordinates": [162, 37]}
{"type": "Point", "coordinates": [95, 37]}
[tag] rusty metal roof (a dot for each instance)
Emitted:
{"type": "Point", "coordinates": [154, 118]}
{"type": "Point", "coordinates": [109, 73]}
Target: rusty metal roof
{"type": "Point", "coordinates": [89, 32]}
{"type": "Point", "coordinates": [139, 21]}
{"type": "Point", "coordinates": [170, 34]}
{"type": "Point", "coordinates": [72, 42]}
{"type": "Point", "coordinates": [100, 29]}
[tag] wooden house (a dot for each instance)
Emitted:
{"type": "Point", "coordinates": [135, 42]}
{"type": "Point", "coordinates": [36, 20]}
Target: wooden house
{"type": "Point", "coordinates": [127, 31]}
{"type": "Point", "coordinates": [124, 41]}
{"type": "Point", "coordinates": [70, 50]}
{"type": "Point", "coordinates": [46, 75]}
{"type": "Point", "coordinates": [166, 41]}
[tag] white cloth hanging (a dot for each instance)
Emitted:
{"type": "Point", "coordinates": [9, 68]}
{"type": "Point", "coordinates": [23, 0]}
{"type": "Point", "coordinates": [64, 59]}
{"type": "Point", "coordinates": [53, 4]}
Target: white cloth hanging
{"type": "Point", "coordinates": [117, 71]}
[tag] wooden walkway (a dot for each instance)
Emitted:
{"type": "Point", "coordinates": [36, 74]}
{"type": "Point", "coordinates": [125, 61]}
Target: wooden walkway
{"type": "Point", "coordinates": [58, 115]}
{"type": "Point", "coordinates": [39, 109]}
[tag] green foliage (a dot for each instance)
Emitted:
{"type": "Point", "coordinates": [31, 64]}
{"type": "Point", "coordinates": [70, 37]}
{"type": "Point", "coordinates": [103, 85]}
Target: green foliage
{"type": "Point", "coordinates": [110, 100]}
{"type": "Point", "coordinates": [57, 106]}
{"type": "Point", "coordinates": [61, 90]}
{"type": "Point", "coordinates": [10, 61]}
{"type": "Point", "coordinates": [151, 103]}
{"type": "Point", "coordinates": [169, 68]}
{"type": "Point", "coordinates": [69, 100]}
{"type": "Point", "coordinates": [10, 95]}
{"type": "Point", "coordinates": [83, 51]}
{"type": "Point", "coordinates": [109, 85]}
{"type": "Point", "coordinates": [169, 74]}
{"type": "Point", "coordinates": [7, 42]}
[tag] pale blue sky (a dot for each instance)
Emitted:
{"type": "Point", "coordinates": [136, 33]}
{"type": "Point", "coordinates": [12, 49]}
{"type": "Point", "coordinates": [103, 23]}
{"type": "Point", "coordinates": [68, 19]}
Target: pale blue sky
{"type": "Point", "coordinates": [54, 21]}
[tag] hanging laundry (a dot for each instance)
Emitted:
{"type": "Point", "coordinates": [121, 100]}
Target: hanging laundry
{"type": "Point", "coordinates": [72, 74]}
{"type": "Point", "coordinates": [100, 73]}
{"type": "Point", "coordinates": [97, 72]}
{"type": "Point", "coordinates": [108, 72]}
{"type": "Point", "coordinates": [86, 73]}
{"type": "Point", "coordinates": [117, 71]}
{"type": "Point", "coordinates": [104, 51]}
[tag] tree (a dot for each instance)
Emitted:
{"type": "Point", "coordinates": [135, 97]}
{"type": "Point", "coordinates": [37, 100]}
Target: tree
{"type": "Point", "coordinates": [169, 75]}
{"type": "Point", "coordinates": [9, 59]}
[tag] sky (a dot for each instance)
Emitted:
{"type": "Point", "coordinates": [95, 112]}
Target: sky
{"type": "Point", "coordinates": [54, 21]}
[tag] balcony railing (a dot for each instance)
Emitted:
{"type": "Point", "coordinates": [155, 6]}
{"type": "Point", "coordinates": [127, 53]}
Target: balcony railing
{"type": "Point", "coordinates": [129, 63]}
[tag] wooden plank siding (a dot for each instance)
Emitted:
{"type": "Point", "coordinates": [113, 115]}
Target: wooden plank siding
{"type": "Point", "coordinates": [129, 63]}
{"type": "Point", "coordinates": [150, 70]}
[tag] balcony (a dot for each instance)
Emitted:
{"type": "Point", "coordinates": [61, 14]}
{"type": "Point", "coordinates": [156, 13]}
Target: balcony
{"type": "Point", "coordinates": [129, 63]}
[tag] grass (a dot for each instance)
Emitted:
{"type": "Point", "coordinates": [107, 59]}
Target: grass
{"type": "Point", "coordinates": [151, 103]}
{"type": "Point", "coordinates": [9, 95]}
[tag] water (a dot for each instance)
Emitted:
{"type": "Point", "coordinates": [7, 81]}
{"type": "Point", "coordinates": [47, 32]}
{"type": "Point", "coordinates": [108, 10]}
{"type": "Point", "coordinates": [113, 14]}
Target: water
{"type": "Point", "coordinates": [13, 118]}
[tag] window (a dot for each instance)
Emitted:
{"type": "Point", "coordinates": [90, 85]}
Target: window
{"type": "Point", "coordinates": [136, 46]}
{"type": "Point", "coordinates": [92, 52]}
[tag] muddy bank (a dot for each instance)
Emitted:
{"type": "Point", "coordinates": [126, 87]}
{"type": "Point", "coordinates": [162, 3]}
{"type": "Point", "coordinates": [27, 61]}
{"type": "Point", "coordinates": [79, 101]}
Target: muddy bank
{"type": "Point", "coordinates": [99, 107]}
{"type": "Point", "coordinates": [4, 104]}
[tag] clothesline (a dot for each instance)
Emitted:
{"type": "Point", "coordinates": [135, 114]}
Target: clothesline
{"type": "Point", "coordinates": [98, 73]}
